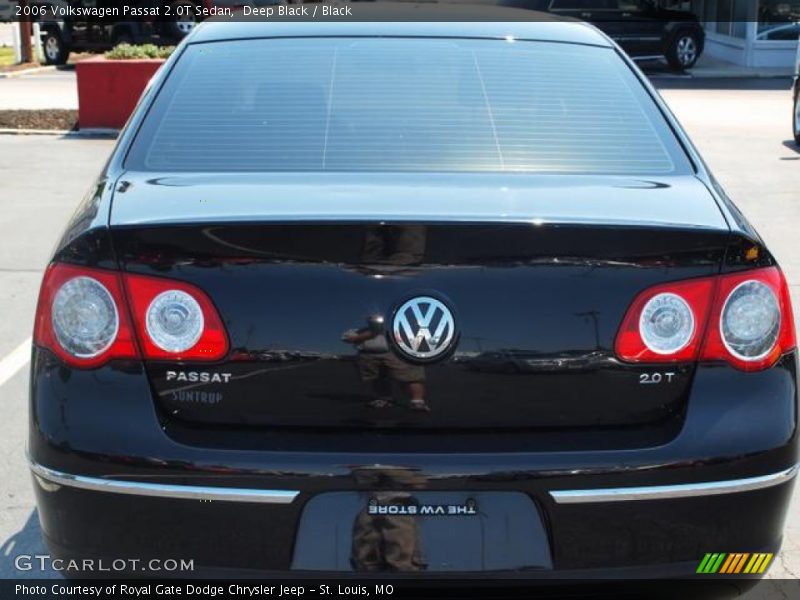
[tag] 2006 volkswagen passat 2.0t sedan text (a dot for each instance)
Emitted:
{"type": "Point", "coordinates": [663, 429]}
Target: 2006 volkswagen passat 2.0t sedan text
{"type": "Point", "coordinates": [411, 297]}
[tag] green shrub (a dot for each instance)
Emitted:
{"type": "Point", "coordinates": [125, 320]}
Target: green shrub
{"type": "Point", "coordinates": [128, 52]}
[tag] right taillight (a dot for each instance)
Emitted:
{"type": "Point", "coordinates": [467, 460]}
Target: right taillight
{"type": "Point", "coordinates": [665, 323]}
{"type": "Point", "coordinates": [751, 323]}
{"type": "Point", "coordinates": [742, 318]}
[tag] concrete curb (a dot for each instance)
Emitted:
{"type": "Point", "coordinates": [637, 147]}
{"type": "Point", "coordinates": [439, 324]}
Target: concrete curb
{"type": "Point", "coordinates": [732, 74]}
{"type": "Point", "coordinates": [82, 133]}
{"type": "Point", "coordinates": [31, 71]}
{"type": "Point", "coordinates": [95, 133]}
{"type": "Point", "coordinates": [719, 74]}
{"type": "Point", "coordinates": [6, 131]}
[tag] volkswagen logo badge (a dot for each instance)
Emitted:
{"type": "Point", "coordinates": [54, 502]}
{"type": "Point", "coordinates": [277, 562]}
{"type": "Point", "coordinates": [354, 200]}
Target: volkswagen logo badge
{"type": "Point", "coordinates": [423, 328]}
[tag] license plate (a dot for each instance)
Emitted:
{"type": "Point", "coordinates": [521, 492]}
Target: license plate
{"type": "Point", "coordinates": [412, 508]}
{"type": "Point", "coordinates": [418, 530]}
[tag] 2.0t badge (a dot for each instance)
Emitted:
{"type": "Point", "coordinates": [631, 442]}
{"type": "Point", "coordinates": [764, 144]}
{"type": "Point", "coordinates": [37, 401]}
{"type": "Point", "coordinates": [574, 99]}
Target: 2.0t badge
{"type": "Point", "coordinates": [423, 329]}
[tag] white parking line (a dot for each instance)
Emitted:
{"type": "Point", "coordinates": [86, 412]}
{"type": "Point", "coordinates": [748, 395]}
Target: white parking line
{"type": "Point", "coordinates": [12, 363]}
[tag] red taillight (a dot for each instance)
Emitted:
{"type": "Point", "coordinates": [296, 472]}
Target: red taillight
{"type": "Point", "coordinates": [742, 318]}
{"type": "Point", "coordinates": [631, 344]}
{"type": "Point", "coordinates": [78, 327]}
{"type": "Point", "coordinates": [719, 346]}
{"type": "Point", "coordinates": [83, 317]}
{"type": "Point", "coordinates": [212, 342]}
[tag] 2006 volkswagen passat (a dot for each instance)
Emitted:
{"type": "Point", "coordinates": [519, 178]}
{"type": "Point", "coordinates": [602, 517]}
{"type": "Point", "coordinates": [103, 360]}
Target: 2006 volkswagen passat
{"type": "Point", "coordinates": [411, 297]}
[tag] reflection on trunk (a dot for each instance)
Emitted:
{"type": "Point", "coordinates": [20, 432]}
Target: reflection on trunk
{"type": "Point", "coordinates": [383, 542]}
{"type": "Point", "coordinates": [387, 542]}
{"type": "Point", "coordinates": [386, 374]}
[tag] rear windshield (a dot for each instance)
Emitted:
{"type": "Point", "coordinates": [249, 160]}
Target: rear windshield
{"type": "Point", "coordinates": [404, 104]}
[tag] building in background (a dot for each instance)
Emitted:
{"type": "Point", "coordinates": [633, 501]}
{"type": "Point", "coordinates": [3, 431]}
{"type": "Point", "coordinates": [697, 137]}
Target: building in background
{"type": "Point", "coordinates": [752, 33]}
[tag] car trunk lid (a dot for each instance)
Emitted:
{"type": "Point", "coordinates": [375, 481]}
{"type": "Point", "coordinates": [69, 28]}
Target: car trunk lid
{"type": "Point", "coordinates": [538, 273]}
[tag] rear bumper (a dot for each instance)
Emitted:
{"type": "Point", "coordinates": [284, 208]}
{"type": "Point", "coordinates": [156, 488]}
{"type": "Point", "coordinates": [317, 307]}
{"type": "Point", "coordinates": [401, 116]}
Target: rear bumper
{"type": "Point", "coordinates": [671, 492]}
{"type": "Point", "coordinates": [111, 482]}
{"type": "Point", "coordinates": [264, 496]}
{"type": "Point", "coordinates": [235, 532]}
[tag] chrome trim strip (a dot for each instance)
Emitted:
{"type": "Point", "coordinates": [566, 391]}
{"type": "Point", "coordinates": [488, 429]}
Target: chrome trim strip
{"type": "Point", "coordinates": [664, 492]}
{"type": "Point", "coordinates": [160, 490]}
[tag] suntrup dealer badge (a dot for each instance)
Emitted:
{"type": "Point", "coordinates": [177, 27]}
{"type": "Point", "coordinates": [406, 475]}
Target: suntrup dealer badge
{"type": "Point", "coordinates": [423, 328]}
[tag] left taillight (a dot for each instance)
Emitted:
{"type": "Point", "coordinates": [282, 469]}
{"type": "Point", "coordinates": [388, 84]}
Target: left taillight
{"type": "Point", "coordinates": [175, 320]}
{"type": "Point", "coordinates": [82, 316]}
{"type": "Point", "coordinates": [90, 316]}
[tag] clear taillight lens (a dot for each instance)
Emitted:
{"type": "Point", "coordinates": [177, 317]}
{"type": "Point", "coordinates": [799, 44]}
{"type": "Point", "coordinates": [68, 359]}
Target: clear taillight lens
{"type": "Point", "coordinates": [85, 317]}
{"type": "Point", "coordinates": [666, 324]}
{"type": "Point", "coordinates": [751, 320]}
{"type": "Point", "coordinates": [174, 321]}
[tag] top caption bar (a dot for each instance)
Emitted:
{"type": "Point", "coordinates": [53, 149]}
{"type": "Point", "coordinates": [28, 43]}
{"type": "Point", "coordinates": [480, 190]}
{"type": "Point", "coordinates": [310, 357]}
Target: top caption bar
{"type": "Point", "coordinates": [152, 11]}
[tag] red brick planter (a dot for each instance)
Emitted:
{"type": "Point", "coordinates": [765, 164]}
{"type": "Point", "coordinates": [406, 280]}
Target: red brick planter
{"type": "Point", "coordinates": [108, 90]}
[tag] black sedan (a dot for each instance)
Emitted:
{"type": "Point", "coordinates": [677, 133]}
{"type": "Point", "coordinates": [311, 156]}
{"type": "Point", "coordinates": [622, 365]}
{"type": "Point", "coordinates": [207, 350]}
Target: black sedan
{"type": "Point", "coordinates": [255, 345]}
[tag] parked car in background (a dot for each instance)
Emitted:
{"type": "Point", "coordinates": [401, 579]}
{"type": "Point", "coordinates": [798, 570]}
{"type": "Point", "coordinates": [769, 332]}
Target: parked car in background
{"type": "Point", "coordinates": [7, 10]}
{"type": "Point", "coordinates": [779, 32]}
{"type": "Point", "coordinates": [60, 37]}
{"type": "Point", "coordinates": [796, 110]}
{"type": "Point", "coordinates": [642, 28]}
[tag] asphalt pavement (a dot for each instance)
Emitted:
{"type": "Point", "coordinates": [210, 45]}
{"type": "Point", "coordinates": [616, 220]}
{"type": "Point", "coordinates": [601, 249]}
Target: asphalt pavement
{"type": "Point", "coordinates": [742, 128]}
{"type": "Point", "coordinates": [42, 179]}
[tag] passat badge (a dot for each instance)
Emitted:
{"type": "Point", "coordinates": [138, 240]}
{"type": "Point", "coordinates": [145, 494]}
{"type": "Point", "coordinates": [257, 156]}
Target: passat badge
{"type": "Point", "coordinates": [423, 328]}
{"type": "Point", "coordinates": [198, 376]}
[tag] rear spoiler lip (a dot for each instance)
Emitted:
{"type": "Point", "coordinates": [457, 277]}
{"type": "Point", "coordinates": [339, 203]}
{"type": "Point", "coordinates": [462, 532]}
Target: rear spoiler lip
{"type": "Point", "coordinates": [399, 218]}
{"type": "Point", "coordinates": [675, 202]}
